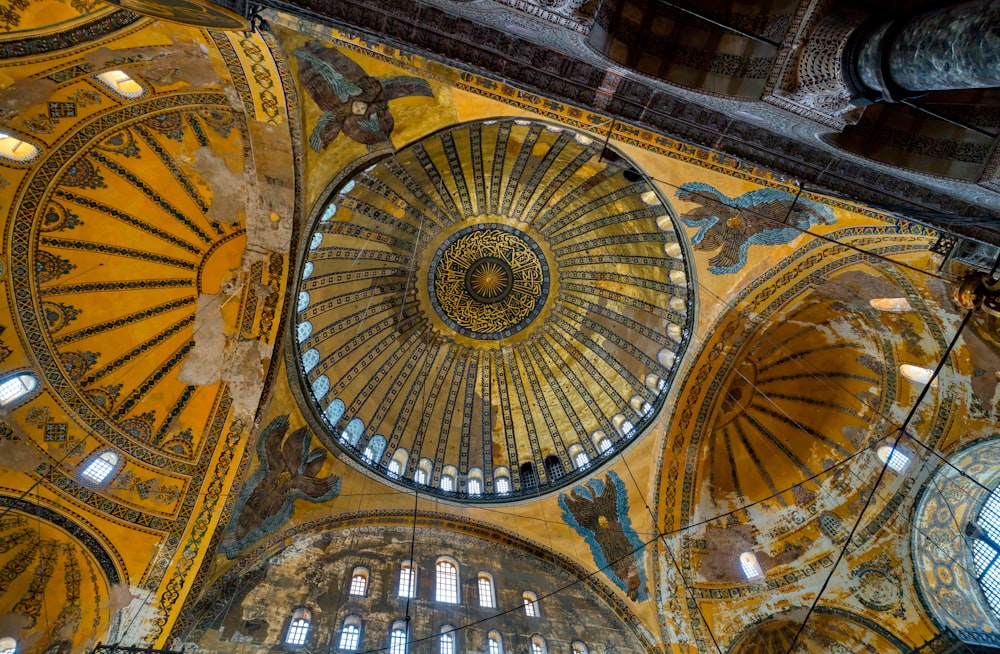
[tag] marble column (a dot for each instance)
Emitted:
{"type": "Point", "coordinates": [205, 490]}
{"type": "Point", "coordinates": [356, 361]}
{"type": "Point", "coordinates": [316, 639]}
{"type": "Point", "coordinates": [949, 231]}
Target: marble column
{"type": "Point", "coordinates": [956, 47]}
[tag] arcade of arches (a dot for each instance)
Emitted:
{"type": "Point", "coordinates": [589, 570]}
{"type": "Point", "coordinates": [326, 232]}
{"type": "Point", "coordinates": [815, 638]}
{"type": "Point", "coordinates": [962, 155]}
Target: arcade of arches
{"type": "Point", "coordinates": [314, 342]}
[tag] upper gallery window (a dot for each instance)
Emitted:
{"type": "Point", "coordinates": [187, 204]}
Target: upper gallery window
{"type": "Point", "coordinates": [350, 634]}
{"type": "Point", "coordinates": [397, 638]}
{"type": "Point", "coordinates": [446, 587]}
{"type": "Point", "coordinates": [530, 604]}
{"type": "Point", "coordinates": [446, 641]}
{"type": "Point", "coordinates": [359, 581]}
{"type": "Point", "coordinates": [298, 628]}
{"type": "Point", "coordinates": [485, 587]}
{"type": "Point", "coordinates": [407, 580]}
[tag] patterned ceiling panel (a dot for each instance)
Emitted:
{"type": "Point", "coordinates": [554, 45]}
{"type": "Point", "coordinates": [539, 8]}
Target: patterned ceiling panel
{"type": "Point", "coordinates": [496, 302]}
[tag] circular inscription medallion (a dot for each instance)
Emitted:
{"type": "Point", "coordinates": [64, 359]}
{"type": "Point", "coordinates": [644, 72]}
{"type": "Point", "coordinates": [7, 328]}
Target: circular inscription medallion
{"type": "Point", "coordinates": [488, 281]}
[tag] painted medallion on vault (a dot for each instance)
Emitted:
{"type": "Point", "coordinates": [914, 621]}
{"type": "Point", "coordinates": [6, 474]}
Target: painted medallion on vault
{"type": "Point", "coordinates": [488, 281]}
{"type": "Point", "coordinates": [491, 311]}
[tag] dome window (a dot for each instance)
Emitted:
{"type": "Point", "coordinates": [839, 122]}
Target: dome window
{"type": "Point", "coordinates": [17, 386]}
{"type": "Point", "coordinates": [121, 84]}
{"type": "Point", "coordinates": [101, 467]}
{"type": "Point", "coordinates": [897, 458]}
{"type": "Point", "coordinates": [16, 150]}
{"type": "Point", "coordinates": [751, 568]}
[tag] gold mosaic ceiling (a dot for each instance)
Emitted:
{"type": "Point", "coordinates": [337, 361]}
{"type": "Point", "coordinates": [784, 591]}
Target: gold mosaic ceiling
{"type": "Point", "coordinates": [495, 300]}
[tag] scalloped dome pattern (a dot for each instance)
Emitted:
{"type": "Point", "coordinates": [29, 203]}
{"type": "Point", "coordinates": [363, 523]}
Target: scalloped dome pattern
{"type": "Point", "coordinates": [497, 298]}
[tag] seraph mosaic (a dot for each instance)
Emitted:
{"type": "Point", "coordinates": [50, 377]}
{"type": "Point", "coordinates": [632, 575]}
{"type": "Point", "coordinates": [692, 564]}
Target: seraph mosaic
{"type": "Point", "coordinates": [288, 471]}
{"type": "Point", "coordinates": [732, 225]}
{"type": "Point", "coordinates": [352, 101]}
{"type": "Point", "coordinates": [598, 511]}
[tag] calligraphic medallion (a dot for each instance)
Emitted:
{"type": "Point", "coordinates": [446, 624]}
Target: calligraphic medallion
{"type": "Point", "coordinates": [488, 281]}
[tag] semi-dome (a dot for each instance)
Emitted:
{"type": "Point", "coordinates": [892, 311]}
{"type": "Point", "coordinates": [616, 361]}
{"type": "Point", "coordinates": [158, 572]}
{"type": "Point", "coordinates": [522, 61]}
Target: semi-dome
{"type": "Point", "coordinates": [491, 310]}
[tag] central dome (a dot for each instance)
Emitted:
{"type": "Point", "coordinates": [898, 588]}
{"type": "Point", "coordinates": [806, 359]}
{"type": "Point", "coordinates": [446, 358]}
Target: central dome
{"type": "Point", "coordinates": [488, 281]}
{"type": "Point", "coordinates": [490, 312]}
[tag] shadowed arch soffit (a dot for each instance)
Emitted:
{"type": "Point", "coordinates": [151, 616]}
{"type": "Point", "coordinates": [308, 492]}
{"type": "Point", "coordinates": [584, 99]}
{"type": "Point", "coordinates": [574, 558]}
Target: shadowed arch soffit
{"type": "Point", "coordinates": [829, 630]}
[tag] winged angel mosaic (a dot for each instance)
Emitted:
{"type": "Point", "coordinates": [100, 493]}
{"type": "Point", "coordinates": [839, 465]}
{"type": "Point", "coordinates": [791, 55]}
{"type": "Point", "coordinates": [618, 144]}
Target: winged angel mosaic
{"type": "Point", "coordinates": [352, 101]}
{"type": "Point", "coordinates": [288, 470]}
{"type": "Point", "coordinates": [598, 511]}
{"type": "Point", "coordinates": [731, 225]}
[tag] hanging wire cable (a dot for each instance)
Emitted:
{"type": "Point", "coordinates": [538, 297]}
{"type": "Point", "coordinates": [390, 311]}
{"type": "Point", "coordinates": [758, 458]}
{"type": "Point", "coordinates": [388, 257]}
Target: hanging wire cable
{"type": "Point", "coordinates": [885, 466]}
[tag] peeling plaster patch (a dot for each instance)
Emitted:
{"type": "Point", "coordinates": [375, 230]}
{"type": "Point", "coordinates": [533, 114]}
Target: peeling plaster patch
{"type": "Point", "coordinates": [18, 455]}
{"type": "Point", "coordinates": [271, 189]}
{"type": "Point", "coordinates": [245, 363]}
{"type": "Point", "coordinates": [162, 65]}
{"type": "Point", "coordinates": [203, 364]}
{"type": "Point", "coordinates": [228, 194]}
{"type": "Point", "coordinates": [24, 94]}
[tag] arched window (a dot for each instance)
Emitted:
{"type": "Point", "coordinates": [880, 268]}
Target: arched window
{"type": "Point", "coordinates": [407, 579]}
{"type": "Point", "coordinates": [447, 483]}
{"type": "Point", "coordinates": [578, 456]}
{"type": "Point", "coordinates": [494, 643]}
{"type": "Point", "coordinates": [303, 301]}
{"type": "Point", "coordinates": [374, 449]}
{"type": "Point", "coordinates": [485, 587]}
{"type": "Point", "coordinates": [16, 150]}
{"type": "Point", "coordinates": [474, 487]}
{"type": "Point", "coordinates": [422, 475]}
{"type": "Point", "coordinates": [529, 478]}
{"type": "Point", "coordinates": [350, 634]}
{"type": "Point", "coordinates": [8, 645]}
{"type": "Point", "coordinates": [897, 458]}
{"type": "Point", "coordinates": [986, 549]}
{"type": "Point", "coordinates": [122, 85]}
{"type": "Point", "coordinates": [310, 359]}
{"type": "Point", "coordinates": [579, 647]}
{"type": "Point", "coordinates": [398, 463]}
{"type": "Point", "coordinates": [602, 442]}
{"type": "Point", "coordinates": [303, 330]}
{"type": "Point", "coordinates": [101, 467]}
{"type": "Point", "coordinates": [640, 406]}
{"type": "Point", "coordinates": [334, 412]}
{"type": "Point", "coordinates": [359, 581]}
{"type": "Point", "coordinates": [530, 604]}
{"type": "Point", "coordinates": [446, 641]}
{"type": "Point", "coordinates": [298, 627]}
{"type": "Point", "coordinates": [474, 483]}
{"type": "Point", "coordinates": [501, 481]}
{"type": "Point", "coordinates": [397, 638]}
{"type": "Point", "coordinates": [17, 386]}
{"type": "Point", "coordinates": [623, 425]}
{"type": "Point", "coordinates": [554, 468]}
{"type": "Point", "coordinates": [751, 568]}
{"type": "Point", "coordinates": [538, 645]}
{"type": "Point", "coordinates": [352, 432]}
{"type": "Point", "coordinates": [320, 387]}
{"type": "Point", "coordinates": [446, 583]}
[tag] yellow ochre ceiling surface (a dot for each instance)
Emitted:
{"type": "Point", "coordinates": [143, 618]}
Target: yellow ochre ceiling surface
{"type": "Point", "coordinates": [134, 292]}
{"type": "Point", "coordinates": [484, 286]}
